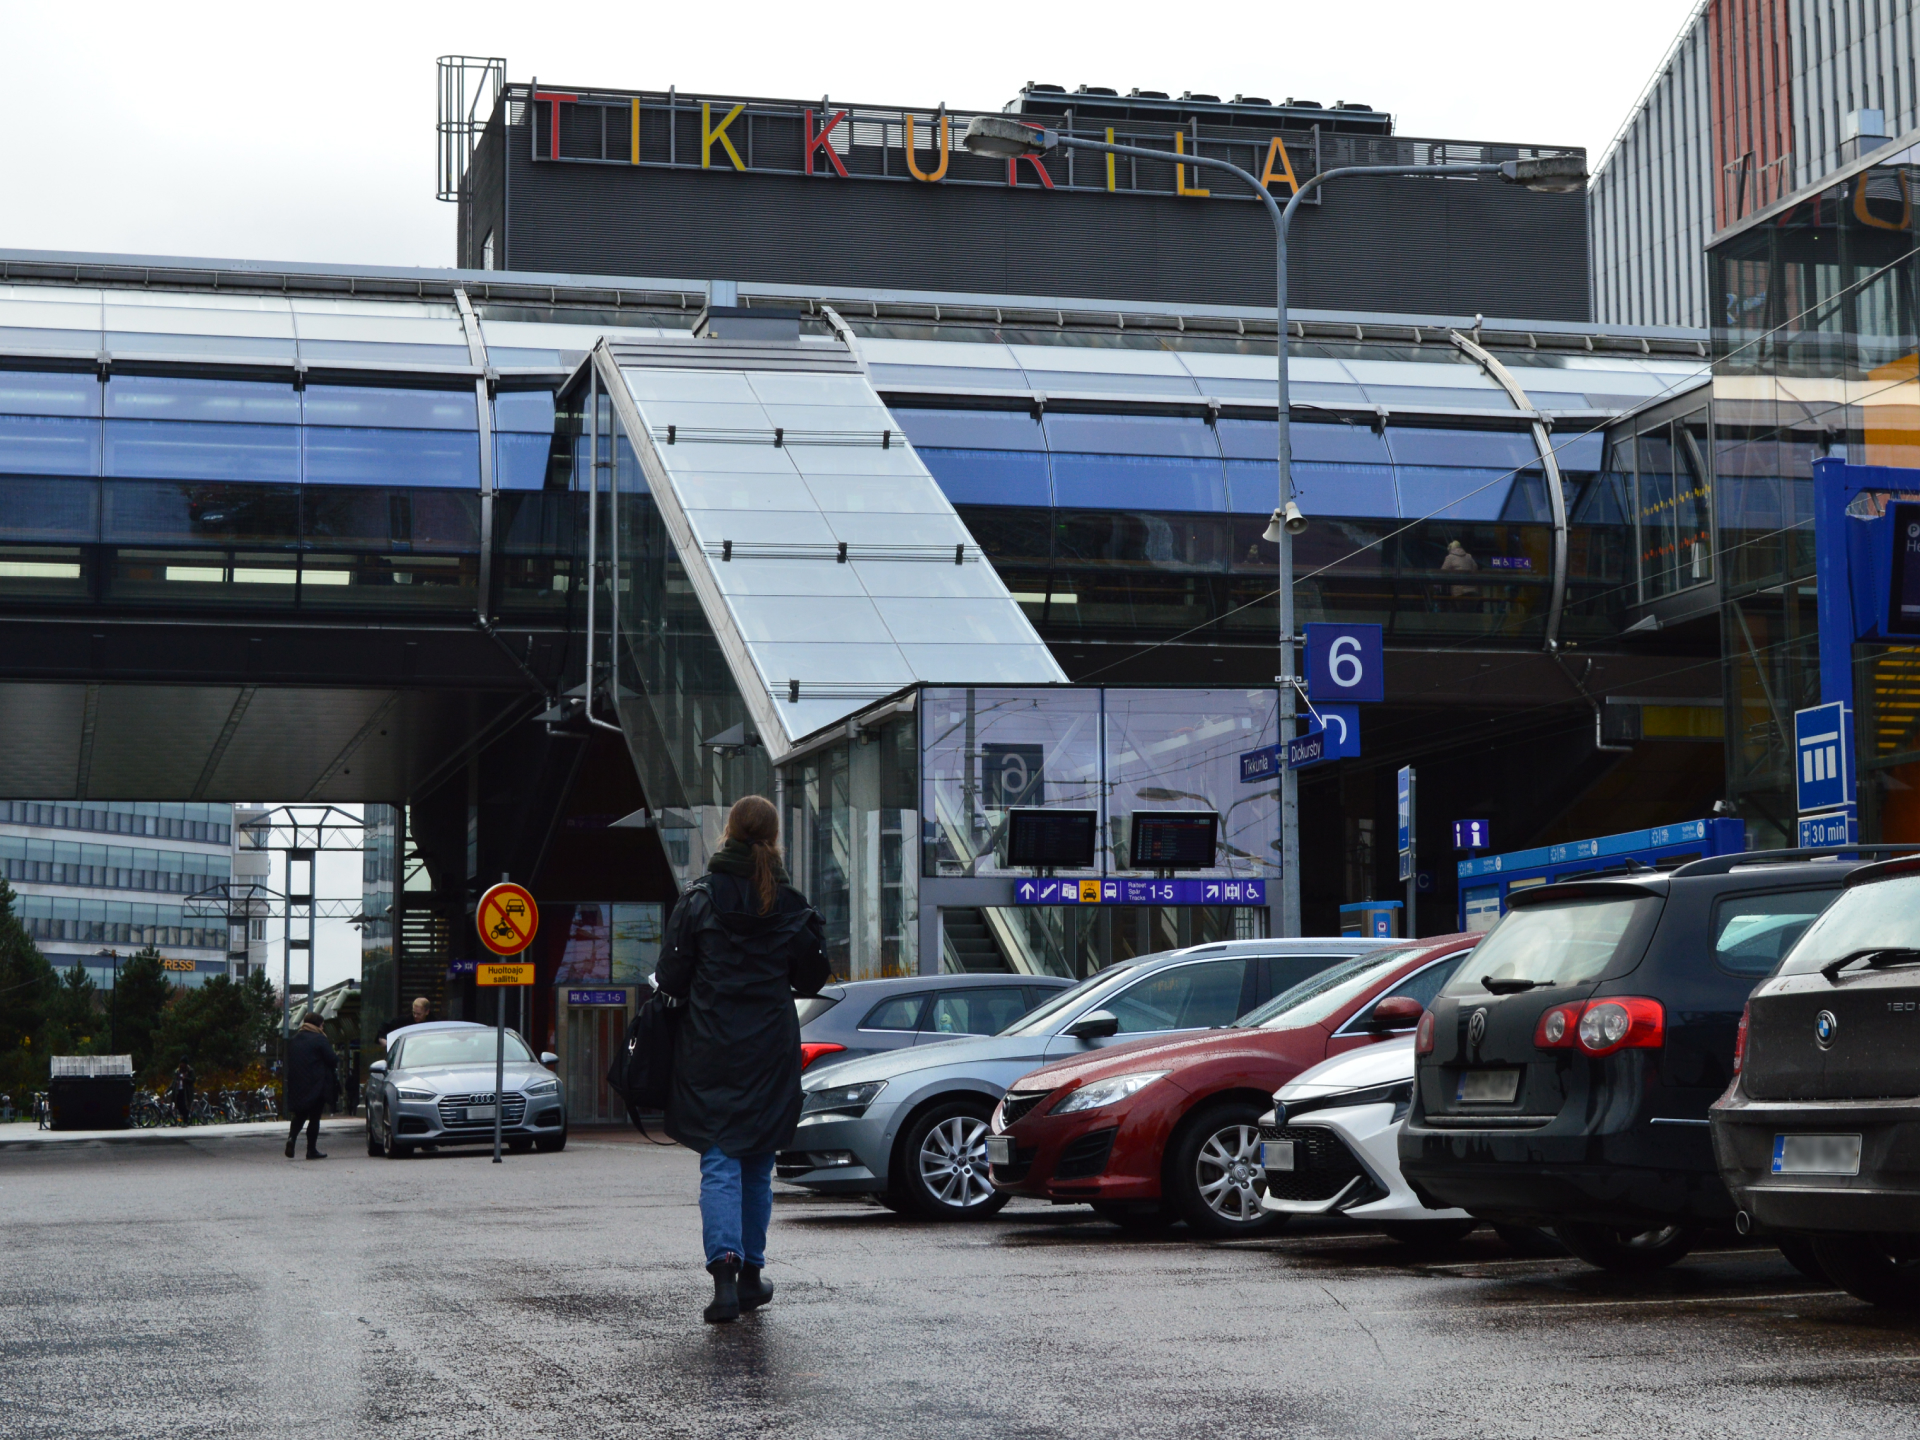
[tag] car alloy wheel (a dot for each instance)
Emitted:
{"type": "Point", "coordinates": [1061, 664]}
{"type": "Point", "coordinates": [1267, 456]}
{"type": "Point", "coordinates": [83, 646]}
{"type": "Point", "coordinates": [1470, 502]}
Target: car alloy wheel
{"type": "Point", "coordinates": [1228, 1172]}
{"type": "Point", "coordinates": [1215, 1174]}
{"type": "Point", "coordinates": [1880, 1269]}
{"type": "Point", "coordinates": [944, 1161]}
{"type": "Point", "coordinates": [1626, 1251]}
{"type": "Point", "coordinates": [392, 1148]}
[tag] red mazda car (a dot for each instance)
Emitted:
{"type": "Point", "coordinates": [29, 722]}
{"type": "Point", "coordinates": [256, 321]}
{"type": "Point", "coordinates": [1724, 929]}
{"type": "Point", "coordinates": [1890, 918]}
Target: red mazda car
{"type": "Point", "coordinates": [1165, 1130]}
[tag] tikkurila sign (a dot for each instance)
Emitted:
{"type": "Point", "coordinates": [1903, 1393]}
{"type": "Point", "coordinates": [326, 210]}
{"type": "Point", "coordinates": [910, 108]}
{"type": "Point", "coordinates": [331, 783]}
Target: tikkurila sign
{"type": "Point", "coordinates": [834, 143]}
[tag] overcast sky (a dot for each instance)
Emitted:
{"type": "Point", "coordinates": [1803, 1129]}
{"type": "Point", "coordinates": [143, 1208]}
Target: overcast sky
{"type": "Point", "coordinates": [305, 132]}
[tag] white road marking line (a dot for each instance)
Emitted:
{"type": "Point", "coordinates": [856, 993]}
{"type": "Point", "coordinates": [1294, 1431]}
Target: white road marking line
{"type": "Point", "coordinates": [1618, 1304]}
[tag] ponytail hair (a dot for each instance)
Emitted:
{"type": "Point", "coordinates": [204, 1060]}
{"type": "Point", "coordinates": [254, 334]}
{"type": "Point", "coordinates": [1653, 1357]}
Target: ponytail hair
{"type": "Point", "coordinates": [755, 823]}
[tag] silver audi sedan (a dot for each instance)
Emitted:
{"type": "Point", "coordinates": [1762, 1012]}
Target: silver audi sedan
{"type": "Point", "coordinates": [436, 1088]}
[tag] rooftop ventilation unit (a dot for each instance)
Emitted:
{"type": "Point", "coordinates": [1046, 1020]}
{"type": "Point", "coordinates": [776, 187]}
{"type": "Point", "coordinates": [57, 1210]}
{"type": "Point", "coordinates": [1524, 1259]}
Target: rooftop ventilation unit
{"type": "Point", "coordinates": [1251, 100]}
{"type": "Point", "coordinates": [1196, 95]}
{"type": "Point", "coordinates": [1096, 90]}
{"type": "Point", "coordinates": [1148, 95]}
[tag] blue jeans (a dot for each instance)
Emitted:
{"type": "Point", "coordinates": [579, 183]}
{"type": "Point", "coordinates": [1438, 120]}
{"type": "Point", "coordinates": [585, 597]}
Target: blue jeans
{"type": "Point", "coordinates": [736, 1202]}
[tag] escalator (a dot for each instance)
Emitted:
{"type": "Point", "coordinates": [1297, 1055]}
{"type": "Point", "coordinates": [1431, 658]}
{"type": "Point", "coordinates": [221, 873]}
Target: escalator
{"type": "Point", "coordinates": [968, 946]}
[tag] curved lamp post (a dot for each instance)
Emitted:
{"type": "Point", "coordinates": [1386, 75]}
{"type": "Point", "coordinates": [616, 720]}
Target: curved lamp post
{"type": "Point", "coordinates": [1003, 137]}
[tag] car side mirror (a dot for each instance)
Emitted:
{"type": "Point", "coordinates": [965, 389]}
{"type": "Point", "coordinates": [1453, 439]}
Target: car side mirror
{"type": "Point", "coordinates": [1396, 1012]}
{"type": "Point", "coordinates": [378, 1067]}
{"type": "Point", "coordinates": [549, 1059]}
{"type": "Point", "coordinates": [1094, 1025]}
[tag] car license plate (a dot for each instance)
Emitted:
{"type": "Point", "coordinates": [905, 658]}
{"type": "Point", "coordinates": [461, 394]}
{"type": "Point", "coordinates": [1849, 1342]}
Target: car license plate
{"type": "Point", "coordinates": [1000, 1150]}
{"type": "Point", "coordinates": [1816, 1154]}
{"type": "Point", "coordinates": [1276, 1154]}
{"type": "Point", "coordinates": [1488, 1087]}
{"type": "Point", "coordinates": [479, 1112]}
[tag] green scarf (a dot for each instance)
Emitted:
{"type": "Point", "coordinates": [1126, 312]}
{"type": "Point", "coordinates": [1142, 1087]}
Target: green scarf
{"type": "Point", "coordinates": [735, 858]}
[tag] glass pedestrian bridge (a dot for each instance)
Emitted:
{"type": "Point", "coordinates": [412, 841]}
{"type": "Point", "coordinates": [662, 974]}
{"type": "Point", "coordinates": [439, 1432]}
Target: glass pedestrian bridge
{"type": "Point", "coordinates": [892, 491]}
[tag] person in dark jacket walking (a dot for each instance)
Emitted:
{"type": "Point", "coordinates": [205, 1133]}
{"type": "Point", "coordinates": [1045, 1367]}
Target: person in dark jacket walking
{"type": "Point", "coordinates": [739, 946]}
{"type": "Point", "coordinates": [313, 1079]}
{"type": "Point", "coordinates": [182, 1092]}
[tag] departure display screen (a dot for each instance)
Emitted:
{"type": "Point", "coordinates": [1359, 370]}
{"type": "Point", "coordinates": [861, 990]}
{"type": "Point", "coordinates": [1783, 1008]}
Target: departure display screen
{"type": "Point", "coordinates": [1051, 839]}
{"type": "Point", "coordinates": [1173, 839]}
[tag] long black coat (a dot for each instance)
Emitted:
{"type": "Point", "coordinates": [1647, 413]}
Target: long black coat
{"type": "Point", "coordinates": [313, 1072]}
{"type": "Point", "coordinates": [736, 1070]}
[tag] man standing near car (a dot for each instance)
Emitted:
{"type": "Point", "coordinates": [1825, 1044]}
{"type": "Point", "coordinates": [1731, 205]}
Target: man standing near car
{"type": "Point", "coordinates": [312, 1082]}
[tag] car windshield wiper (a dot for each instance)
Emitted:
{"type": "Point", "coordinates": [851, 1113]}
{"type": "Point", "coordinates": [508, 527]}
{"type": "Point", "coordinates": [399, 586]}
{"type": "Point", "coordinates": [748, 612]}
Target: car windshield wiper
{"type": "Point", "coordinates": [1878, 957]}
{"type": "Point", "coordinates": [1508, 985]}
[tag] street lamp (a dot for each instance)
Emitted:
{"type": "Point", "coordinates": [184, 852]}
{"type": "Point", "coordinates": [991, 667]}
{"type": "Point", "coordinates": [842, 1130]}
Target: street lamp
{"type": "Point", "coordinates": [1005, 138]}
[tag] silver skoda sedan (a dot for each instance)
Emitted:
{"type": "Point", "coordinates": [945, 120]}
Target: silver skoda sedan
{"type": "Point", "coordinates": [909, 1126]}
{"type": "Point", "coordinates": [436, 1088]}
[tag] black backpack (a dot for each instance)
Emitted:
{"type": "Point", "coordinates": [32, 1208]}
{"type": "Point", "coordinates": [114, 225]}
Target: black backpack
{"type": "Point", "coordinates": [642, 1069]}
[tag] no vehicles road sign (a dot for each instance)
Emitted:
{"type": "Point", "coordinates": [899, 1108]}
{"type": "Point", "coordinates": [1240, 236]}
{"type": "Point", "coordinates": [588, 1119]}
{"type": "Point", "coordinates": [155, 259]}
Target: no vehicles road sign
{"type": "Point", "coordinates": [507, 919]}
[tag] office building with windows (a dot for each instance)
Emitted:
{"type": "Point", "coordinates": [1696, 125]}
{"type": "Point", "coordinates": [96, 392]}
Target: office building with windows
{"type": "Point", "coordinates": [97, 880]}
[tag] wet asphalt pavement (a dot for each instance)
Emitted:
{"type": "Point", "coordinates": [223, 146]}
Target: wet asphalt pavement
{"type": "Point", "coordinates": [211, 1288]}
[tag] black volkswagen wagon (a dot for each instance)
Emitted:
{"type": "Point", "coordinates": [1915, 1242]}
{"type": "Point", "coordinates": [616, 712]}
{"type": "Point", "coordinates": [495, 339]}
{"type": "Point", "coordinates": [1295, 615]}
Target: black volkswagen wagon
{"type": "Point", "coordinates": [1565, 1072]}
{"type": "Point", "coordinates": [1820, 1133]}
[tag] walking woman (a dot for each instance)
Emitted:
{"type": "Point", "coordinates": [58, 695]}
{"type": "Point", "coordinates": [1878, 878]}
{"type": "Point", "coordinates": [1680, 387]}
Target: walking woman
{"type": "Point", "coordinates": [739, 946]}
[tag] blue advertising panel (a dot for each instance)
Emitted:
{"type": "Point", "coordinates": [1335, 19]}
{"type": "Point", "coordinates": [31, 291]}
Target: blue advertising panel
{"type": "Point", "coordinates": [1823, 777]}
{"type": "Point", "coordinates": [1345, 663]}
{"type": "Point", "coordinates": [1403, 790]}
{"type": "Point", "coordinates": [1140, 892]}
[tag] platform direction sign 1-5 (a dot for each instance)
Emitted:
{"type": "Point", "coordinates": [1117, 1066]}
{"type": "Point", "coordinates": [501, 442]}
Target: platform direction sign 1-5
{"type": "Point", "coordinates": [507, 919]}
{"type": "Point", "coordinates": [1140, 892]}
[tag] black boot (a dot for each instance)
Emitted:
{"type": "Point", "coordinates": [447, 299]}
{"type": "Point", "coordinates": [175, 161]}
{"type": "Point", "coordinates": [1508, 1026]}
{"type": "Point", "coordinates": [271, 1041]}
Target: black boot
{"type": "Point", "coordinates": [290, 1140]}
{"type": "Point", "coordinates": [726, 1291]}
{"type": "Point", "coordinates": [754, 1292]}
{"type": "Point", "coordinates": [313, 1154]}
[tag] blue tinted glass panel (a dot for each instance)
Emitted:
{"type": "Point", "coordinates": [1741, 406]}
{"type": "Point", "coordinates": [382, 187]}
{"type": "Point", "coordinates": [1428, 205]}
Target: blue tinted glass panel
{"type": "Point", "coordinates": [28, 392]}
{"type": "Point", "coordinates": [530, 410]}
{"type": "Point", "coordinates": [145, 513]}
{"type": "Point", "coordinates": [392, 457]}
{"type": "Point", "coordinates": [1578, 452]}
{"type": "Point", "coordinates": [402, 409]}
{"type": "Point", "coordinates": [1438, 493]}
{"type": "Point", "coordinates": [49, 445]}
{"type": "Point", "coordinates": [171, 397]}
{"type": "Point", "coordinates": [1527, 501]}
{"type": "Point", "coordinates": [990, 477]}
{"type": "Point", "coordinates": [1350, 490]}
{"type": "Point", "coordinates": [1501, 449]}
{"type": "Point", "coordinates": [1131, 435]}
{"type": "Point", "coordinates": [381, 354]}
{"type": "Point", "coordinates": [972, 429]}
{"type": "Point", "coordinates": [520, 460]}
{"type": "Point", "coordinates": [185, 450]}
{"type": "Point", "coordinates": [49, 509]}
{"type": "Point", "coordinates": [1259, 439]}
{"type": "Point", "coordinates": [1602, 499]}
{"type": "Point", "coordinates": [1138, 482]}
{"type": "Point", "coordinates": [406, 520]}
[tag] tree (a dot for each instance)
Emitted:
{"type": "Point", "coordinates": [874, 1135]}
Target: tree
{"type": "Point", "coordinates": [75, 1025]}
{"type": "Point", "coordinates": [210, 1027]}
{"type": "Point", "coordinates": [263, 1008]}
{"type": "Point", "coordinates": [140, 996]}
{"type": "Point", "coordinates": [27, 986]}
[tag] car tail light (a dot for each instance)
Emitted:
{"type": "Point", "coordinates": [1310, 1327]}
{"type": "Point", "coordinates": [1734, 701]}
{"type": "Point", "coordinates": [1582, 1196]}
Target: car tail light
{"type": "Point", "coordinates": [812, 1050]}
{"type": "Point", "coordinates": [1624, 1022]}
{"type": "Point", "coordinates": [1740, 1039]}
{"type": "Point", "coordinates": [1555, 1030]}
{"type": "Point", "coordinates": [1423, 1035]}
{"type": "Point", "coordinates": [1600, 1027]}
